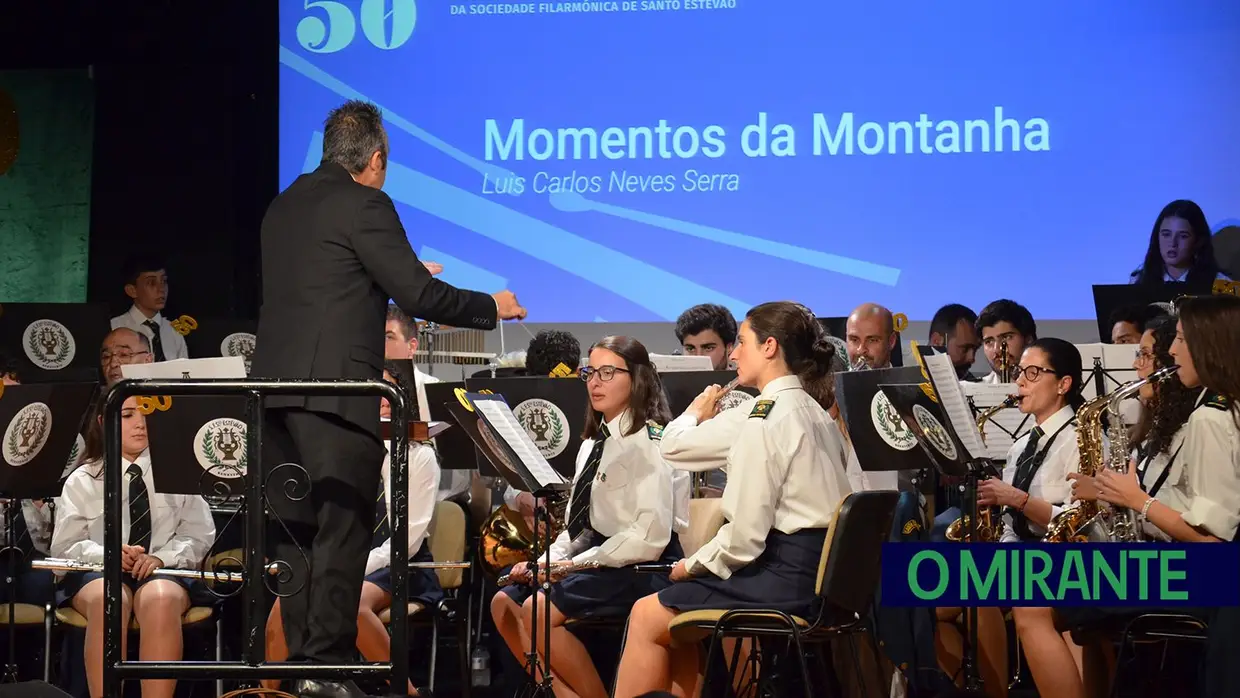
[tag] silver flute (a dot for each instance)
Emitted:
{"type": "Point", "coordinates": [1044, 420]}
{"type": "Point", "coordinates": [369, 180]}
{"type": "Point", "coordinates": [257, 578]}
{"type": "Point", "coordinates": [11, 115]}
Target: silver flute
{"type": "Point", "coordinates": [723, 392]}
{"type": "Point", "coordinates": [63, 565]}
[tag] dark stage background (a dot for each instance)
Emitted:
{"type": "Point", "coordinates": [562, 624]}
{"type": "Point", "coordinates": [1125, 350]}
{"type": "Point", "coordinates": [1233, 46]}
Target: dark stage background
{"type": "Point", "coordinates": [185, 135]}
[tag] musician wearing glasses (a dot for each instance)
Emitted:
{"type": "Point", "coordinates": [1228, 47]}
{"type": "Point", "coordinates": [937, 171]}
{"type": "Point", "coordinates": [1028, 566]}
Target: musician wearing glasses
{"type": "Point", "coordinates": [1161, 467]}
{"type": "Point", "coordinates": [624, 509]}
{"type": "Point", "coordinates": [160, 530]}
{"type": "Point", "coordinates": [1034, 488]}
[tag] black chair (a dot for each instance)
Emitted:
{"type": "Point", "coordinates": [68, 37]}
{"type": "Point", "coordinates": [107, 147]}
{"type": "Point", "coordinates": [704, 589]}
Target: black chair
{"type": "Point", "coordinates": [848, 573]}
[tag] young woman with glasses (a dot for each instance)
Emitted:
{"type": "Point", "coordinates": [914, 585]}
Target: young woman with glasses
{"type": "Point", "coordinates": [624, 510]}
{"type": "Point", "coordinates": [1034, 488]}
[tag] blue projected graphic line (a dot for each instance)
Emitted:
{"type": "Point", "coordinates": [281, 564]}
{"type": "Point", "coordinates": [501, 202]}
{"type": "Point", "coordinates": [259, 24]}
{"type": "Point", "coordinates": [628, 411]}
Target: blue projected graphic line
{"type": "Point", "coordinates": [572, 202]}
{"type": "Point", "coordinates": [462, 274]}
{"type": "Point", "coordinates": [659, 291]}
{"type": "Point", "coordinates": [309, 70]}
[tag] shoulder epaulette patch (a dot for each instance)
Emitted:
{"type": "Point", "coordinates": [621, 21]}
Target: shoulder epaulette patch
{"type": "Point", "coordinates": [654, 431]}
{"type": "Point", "coordinates": [761, 409]}
{"type": "Point", "coordinates": [1218, 402]}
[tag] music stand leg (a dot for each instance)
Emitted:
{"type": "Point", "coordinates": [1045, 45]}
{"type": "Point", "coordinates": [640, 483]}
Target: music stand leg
{"type": "Point", "coordinates": [10, 667]}
{"type": "Point", "coordinates": [968, 659]}
{"type": "Point", "coordinates": [536, 685]}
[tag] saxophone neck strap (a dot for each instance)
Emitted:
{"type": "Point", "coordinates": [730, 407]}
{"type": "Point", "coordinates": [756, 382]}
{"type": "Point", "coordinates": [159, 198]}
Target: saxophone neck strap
{"type": "Point", "coordinates": [1024, 481]}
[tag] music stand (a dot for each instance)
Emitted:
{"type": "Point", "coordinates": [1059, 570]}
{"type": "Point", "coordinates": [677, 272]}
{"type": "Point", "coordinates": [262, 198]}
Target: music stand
{"type": "Point", "coordinates": [1110, 297]}
{"type": "Point", "coordinates": [682, 387]}
{"type": "Point", "coordinates": [875, 427]}
{"type": "Point", "coordinates": [223, 337]}
{"type": "Point", "coordinates": [505, 442]}
{"type": "Point", "coordinates": [552, 411]}
{"type": "Point", "coordinates": [455, 447]}
{"type": "Point", "coordinates": [198, 443]}
{"type": "Point", "coordinates": [40, 423]}
{"type": "Point", "coordinates": [938, 414]}
{"type": "Point", "coordinates": [55, 341]}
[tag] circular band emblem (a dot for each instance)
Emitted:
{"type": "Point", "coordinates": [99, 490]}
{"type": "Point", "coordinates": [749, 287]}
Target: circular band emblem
{"type": "Point", "coordinates": [734, 398]}
{"type": "Point", "coordinates": [239, 344]}
{"type": "Point", "coordinates": [546, 425]}
{"type": "Point", "coordinates": [889, 424]}
{"type": "Point", "coordinates": [27, 433]}
{"type": "Point", "coordinates": [219, 447]}
{"type": "Point", "coordinates": [934, 431]}
{"type": "Point", "coordinates": [841, 349]}
{"type": "Point", "coordinates": [48, 344]}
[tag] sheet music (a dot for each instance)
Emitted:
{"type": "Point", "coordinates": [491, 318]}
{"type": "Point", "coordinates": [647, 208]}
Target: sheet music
{"type": "Point", "coordinates": [1007, 425]}
{"type": "Point", "coordinates": [667, 363]}
{"type": "Point", "coordinates": [951, 396]}
{"type": "Point", "coordinates": [1117, 359]}
{"type": "Point", "coordinates": [214, 367]}
{"type": "Point", "coordinates": [501, 418]}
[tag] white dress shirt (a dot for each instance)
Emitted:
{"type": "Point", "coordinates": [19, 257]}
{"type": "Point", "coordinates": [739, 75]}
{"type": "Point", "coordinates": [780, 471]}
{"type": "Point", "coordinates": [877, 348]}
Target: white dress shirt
{"type": "Point", "coordinates": [1050, 482]}
{"type": "Point", "coordinates": [631, 499]}
{"type": "Point", "coordinates": [171, 340]}
{"type": "Point", "coordinates": [423, 474]}
{"type": "Point", "coordinates": [1204, 482]}
{"type": "Point", "coordinates": [38, 523]}
{"type": "Point", "coordinates": [785, 471]}
{"type": "Point", "coordinates": [182, 530]}
{"type": "Point", "coordinates": [1135, 277]}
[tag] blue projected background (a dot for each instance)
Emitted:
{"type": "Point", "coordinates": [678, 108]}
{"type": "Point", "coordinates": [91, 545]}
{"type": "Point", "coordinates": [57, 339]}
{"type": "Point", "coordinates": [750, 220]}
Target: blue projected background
{"type": "Point", "coordinates": [595, 157]}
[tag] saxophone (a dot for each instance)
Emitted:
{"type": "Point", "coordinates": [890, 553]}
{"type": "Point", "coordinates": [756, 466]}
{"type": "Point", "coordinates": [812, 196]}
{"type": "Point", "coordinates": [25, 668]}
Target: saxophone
{"type": "Point", "coordinates": [1089, 521]}
{"type": "Point", "coordinates": [1004, 370]}
{"type": "Point", "coordinates": [989, 519]}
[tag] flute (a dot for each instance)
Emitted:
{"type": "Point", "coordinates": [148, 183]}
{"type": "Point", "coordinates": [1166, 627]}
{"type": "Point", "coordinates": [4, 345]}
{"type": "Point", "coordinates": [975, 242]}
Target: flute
{"type": "Point", "coordinates": [723, 392]}
{"type": "Point", "coordinates": [559, 570]}
{"type": "Point", "coordinates": [63, 565]}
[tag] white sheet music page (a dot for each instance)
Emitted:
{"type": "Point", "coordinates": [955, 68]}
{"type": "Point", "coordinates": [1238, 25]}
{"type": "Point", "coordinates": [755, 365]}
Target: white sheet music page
{"type": "Point", "coordinates": [951, 396]}
{"type": "Point", "coordinates": [213, 367]}
{"type": "Point", "coordinates": [499, 415]}
{"type": "Point", "coordinates": [669, 363]}
{"type": "Point", "coordinates": [1007, 425]}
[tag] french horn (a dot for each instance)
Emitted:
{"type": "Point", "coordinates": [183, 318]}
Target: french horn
{"type": "Point", "coordinates": [506, 539]}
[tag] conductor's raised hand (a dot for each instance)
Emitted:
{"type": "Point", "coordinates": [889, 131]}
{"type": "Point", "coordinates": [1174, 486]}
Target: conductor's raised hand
{"type": "Point", "coordinates": [507, 307]}
{"type": "Point", "coordinates": [433, 267]}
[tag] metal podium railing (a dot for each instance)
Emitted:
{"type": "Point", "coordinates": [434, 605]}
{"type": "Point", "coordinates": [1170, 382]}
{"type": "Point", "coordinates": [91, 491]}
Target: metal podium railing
{"type": "Point", "coordinates": [252, 666]}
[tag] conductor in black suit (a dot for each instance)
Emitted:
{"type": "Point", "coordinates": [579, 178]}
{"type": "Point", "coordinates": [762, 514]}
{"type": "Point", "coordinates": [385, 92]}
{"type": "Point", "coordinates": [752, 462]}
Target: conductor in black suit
{"type": "Point", "coordinates": [333, 252]}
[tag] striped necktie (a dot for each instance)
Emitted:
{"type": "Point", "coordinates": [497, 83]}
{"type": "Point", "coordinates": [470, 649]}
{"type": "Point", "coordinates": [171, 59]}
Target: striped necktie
{"type": "Point", "coordinates": [579, 513]}
{"type": "Point", "coordinates": [157, 344]}
{"type": "Point", "coordinates": [139, 509]}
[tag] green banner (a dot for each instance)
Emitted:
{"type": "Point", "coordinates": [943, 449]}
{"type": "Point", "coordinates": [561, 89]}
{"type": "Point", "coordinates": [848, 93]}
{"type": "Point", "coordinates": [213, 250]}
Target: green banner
{"type": "Point", "coordinates": [46, 142]}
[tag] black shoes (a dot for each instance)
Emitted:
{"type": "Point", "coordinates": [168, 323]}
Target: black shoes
{"type": "Point", "coordinates": [315, 688]}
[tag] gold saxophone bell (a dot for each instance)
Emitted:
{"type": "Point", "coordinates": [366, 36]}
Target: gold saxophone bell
{"type": "Point", "coordinates": [506, 539]}
{"type": "Point", "coordinates": [989, 519]}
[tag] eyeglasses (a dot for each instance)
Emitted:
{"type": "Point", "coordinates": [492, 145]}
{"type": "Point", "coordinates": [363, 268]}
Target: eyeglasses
{"type": "Point", "coordinates": [1033, 373]}
{"type": "Point", "coordinates": [605, 373]}
{"type": "Point", "coordinates": [1145, 356]}
{"type": "Point", "coordinates": [122, 356]}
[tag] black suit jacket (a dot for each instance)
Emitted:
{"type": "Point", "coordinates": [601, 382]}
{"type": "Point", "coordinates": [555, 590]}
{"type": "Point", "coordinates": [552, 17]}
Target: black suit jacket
{"type": "Point", "coordinates": [333, 253]}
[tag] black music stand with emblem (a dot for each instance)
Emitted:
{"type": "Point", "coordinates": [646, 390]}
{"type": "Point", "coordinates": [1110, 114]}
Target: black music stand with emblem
{"type": "Point", "coordinates": [455, 447]}
{"type": "Point", "coordinates": [40, 424]}
{"type": "Point", "coordinates": [503, 441]}
{"type": "Point", "coordinates": [552, 411]}
{"type": "Point", "coordinates": [222, 337]}
{"type": "Point", "coordinates": [925, 415]}
{"type": "Point", "coordinates": [878, 433]}
{"type": "Point", "coordinates": [56, 342]}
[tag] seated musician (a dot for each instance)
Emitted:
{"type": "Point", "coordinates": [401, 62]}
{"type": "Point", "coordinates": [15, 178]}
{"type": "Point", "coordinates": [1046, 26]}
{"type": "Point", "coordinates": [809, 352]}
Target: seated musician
{"type": "Point", "coordinates": [1034, 488]}
{"type": "Point", "coordinates": [1184, 483]}
{"type": "Point", "coordinates": [32, 530]}
{"type": "Point", "coordinates": [373, 640]}
{"type": "Point", "coordinates": [1004, 323]}
{"type": "Point", "coordinates": [621, 513]}
{"type": "Point", "coordinates": [161, 530]}
{"type": "Point", "coordinates": [785, 460]}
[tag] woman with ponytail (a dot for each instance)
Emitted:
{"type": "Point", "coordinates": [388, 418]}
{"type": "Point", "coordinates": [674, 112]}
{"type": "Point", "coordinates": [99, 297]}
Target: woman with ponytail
{"type": "Point", "coordinates": [785, 459]}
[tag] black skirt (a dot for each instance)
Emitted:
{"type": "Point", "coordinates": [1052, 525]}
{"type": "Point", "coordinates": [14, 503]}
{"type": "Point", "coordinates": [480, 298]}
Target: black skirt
{"type": "Point", "coordinates": [423, 583]}
{"type": "Point", "coordinates": [783, 578]}
{"type": "Point", "coordinates": [607, 592]}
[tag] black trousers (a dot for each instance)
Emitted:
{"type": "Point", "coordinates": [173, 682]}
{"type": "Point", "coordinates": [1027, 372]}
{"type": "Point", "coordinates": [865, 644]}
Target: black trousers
{"type": "Point", "coordinates": [326, 526]}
